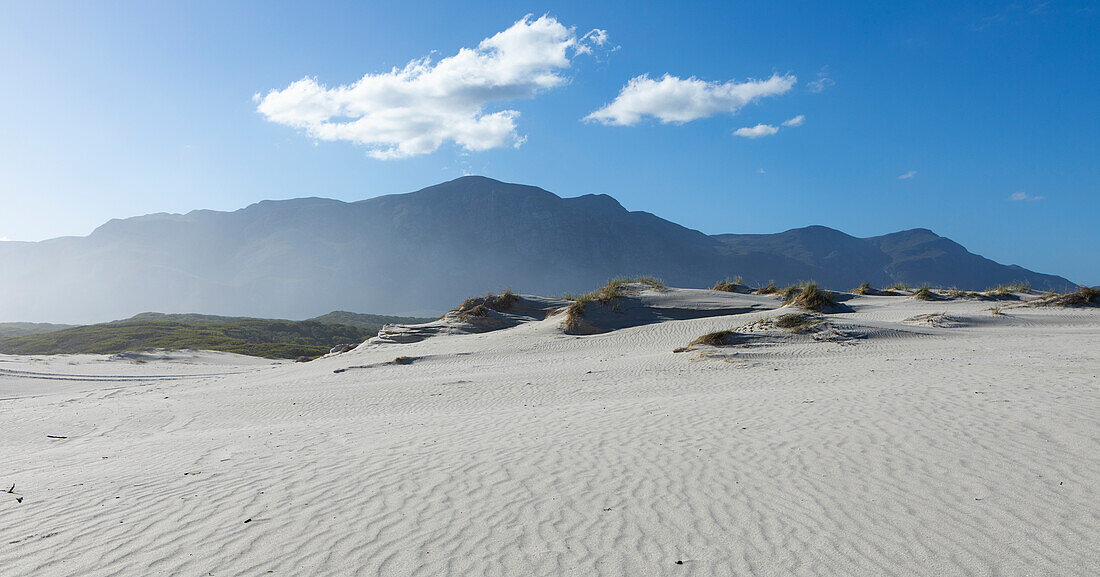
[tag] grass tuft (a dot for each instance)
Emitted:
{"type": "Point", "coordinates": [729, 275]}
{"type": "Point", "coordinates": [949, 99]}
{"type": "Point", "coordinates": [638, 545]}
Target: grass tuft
{"type": "Point", "coordinates": [606, 295]}
{"type": "Point", "coordinates": [797, 322]}
{"type": "Point", "coordinates": [924, 293]}
{"type": "Point", "coordinates": [768, 289]}
{"type": "Point", "coordinates": [716, 339]}
{"type": "Point", "coordinates": [480, 306]}
{"type": "Point", "coordinates": [811, 298]}
{"type": "Point", "coordinates": [898, 286]}
{"type": "Point", "coordinates": [729, 285]}
{"type": "Point", "coordinates": [863, 289]}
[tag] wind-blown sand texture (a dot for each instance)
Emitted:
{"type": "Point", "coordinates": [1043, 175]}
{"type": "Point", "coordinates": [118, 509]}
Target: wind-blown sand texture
{"type": "Point", "coordinates": [877, 442]}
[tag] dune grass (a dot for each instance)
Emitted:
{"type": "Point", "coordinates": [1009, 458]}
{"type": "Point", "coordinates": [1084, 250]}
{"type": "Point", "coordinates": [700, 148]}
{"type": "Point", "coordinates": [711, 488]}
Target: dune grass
{"type": "Point", "coordinates": [797, 322]}
{"type": "Point", "coordinates": [810, 297]}
{"type": "Point", "coordinates": [729, 285]}
{"type": "Point", "coordinates": [606, 295]}
{"type": "Point", "coordinates": [715, 339]}
{"type": "Point", "coordinates": [1083, 296]}
{"type": "Point", "coordinates": [863, 289]}
{"type": "Point", "coordinates": [480, 306]}
{"type": "Point", "coordinates": [924, 293]}
{"type": "Point", "coordinates": [898, 286]}
{"type": "Point", "coordinates": [768, 289]}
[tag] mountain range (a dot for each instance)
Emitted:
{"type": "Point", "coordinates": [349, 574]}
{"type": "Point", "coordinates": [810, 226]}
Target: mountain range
{"type": "Point", "coordinates": [424, 251]}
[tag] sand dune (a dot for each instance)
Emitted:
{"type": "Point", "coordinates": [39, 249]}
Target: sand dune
{"type": "Point", "coordinates": [959, 445]}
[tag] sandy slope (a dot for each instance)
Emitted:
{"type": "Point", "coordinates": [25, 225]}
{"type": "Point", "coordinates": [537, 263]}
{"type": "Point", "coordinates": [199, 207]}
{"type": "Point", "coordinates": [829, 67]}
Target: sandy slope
{"type": "Point", "coordinates": [901, 449]}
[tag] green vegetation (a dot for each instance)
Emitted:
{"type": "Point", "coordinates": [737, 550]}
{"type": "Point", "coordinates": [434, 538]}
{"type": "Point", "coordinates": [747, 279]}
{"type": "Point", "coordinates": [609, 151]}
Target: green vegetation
{"type": "Point", "coordinates": [1083, 296]}
{"type": "Point", "coordinates": [364, 321]}
{"type": "Point", "coordinates": [20, 329]}
{"type": "Point", "coordinates": [810, 298]}
{"type": "Point", "coordinates": [730, 285]}
{"type": "Point", "coordinates": [768, 289]}
{"type": "Point", "coordinates": [606, 295]}
{"type": "Point", "coordinates": [790, 291]}
{"type": "Point", "coordinates": [798, 322]}
{"type": "Point", "coordinates": [924, 293]}
{"type": "Point", "coordinates": [282, 339]}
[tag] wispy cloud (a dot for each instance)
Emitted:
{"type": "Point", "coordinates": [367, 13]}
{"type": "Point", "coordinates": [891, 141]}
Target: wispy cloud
{"type": "Point", "coordinates": [757, 131]}
{"type": "Point", "coordinates": [822, 82]}
{"type": "Point", "coordinates": [761, 171]}
{"type": "Point", "coordinates": [1025, 197]}
{"type": "Point", "coordinates": [908, 175]}
{"type": "Point", "coordinates": [676, 100]}
{"type": "Point", "coordinates": [796, 121]}
{"type": "Point", "coordinates": [413, 110]}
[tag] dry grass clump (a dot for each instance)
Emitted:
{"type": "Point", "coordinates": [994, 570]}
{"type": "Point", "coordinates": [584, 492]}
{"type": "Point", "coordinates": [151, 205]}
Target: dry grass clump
{"type": "Point", "coordinates": [403, 360]}
{"type": "Point", "coordinates": [810, 298]}
{"type": "Point", "coordinates": [606, 294]}
{"type": "Point", "coordinates": [713, 339]}
{"type": "Point", "coordinates": [790, 291]}
{"type": "Point", "coordinates": [1083, 296]}
{"type": "Point", "coordinates": [924, 293]}
{"type": "Point", "coordinates": [768, 289]}
{"type": "Point", "coordinates": [797, 322]}
{"type": "Point", "coordinates": [863, 289]}
{"type": "Point", "coordinates": [480, 306]}
{"type": "Point", "coordinates": [996, 311]}
{"type": "Point", "coordinates": [729, 286]}
{"type": "Point", "coordinates": [898, 286]}
{"type": "Point", "coordinates": [716, 339]}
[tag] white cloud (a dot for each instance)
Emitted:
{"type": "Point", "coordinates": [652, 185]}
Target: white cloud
{"type": "Point", "coordinates": [761, 171]}
{"type": "Point", "coordinates": [674, 99]}
{"type": "Point", "coordinates": [414, 110]}
{"type": "Point", "coordinates": [796, 121]}
{"type": "Point", "coordinates": [908, 175]}
{"type": "Point", "coordinates": [823, 81]}
{"type": "Point", "coordinates": [757, 131]}
{"type": "Point", "coordinates": [1023, 196]}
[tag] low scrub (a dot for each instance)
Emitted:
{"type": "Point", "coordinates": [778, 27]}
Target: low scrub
{"type": "Point", "coordinates": [810, 297]}
{"type": "Point", "coordinates": [863, 289]}
{"type": "Point", "coordinates": [256, 337]}
{"type": "Point", "coordinates": [898, 286]}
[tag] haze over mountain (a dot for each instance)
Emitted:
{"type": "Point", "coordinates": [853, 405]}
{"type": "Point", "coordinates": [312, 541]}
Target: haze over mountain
{"type": "Point", "coordinates": [425, 251]}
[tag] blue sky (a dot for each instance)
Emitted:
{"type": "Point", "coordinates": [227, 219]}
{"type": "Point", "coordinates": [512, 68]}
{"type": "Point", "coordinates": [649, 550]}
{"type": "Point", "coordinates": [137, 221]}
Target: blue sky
{"type": "Point", "coordinates": [126, 108]}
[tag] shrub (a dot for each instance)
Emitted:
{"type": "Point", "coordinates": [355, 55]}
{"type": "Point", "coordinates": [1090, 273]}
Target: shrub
{"type": "Point", "coordinates": [863, 289]}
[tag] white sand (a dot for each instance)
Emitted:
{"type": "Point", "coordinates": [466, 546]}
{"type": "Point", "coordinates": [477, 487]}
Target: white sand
{"type": "Point", "coordinates": [967, 447]}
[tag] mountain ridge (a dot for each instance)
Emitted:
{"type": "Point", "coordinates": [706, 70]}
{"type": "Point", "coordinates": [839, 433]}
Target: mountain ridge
{"type": "Point", "coordinates": [421, 252]}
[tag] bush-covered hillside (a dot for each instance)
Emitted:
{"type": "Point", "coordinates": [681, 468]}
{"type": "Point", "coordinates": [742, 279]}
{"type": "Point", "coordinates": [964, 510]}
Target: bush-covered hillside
{"type": "Point", "coordinates": [257, 337]}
